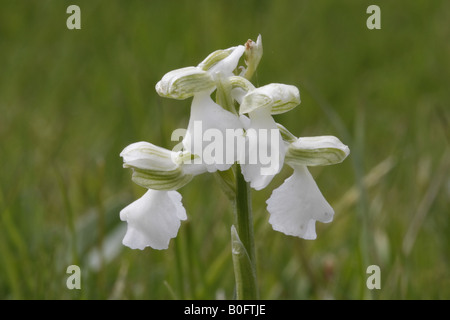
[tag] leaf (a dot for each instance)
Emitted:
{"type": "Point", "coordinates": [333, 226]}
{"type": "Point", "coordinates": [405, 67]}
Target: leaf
{"type": "Point", "coordinates": [245, 274]}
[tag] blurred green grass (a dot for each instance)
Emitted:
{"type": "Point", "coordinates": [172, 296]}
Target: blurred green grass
{"type": "Point", "coordinates": [70, 101]}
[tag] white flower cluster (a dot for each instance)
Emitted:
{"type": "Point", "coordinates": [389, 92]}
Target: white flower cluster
{"type": "Point", "coordinates": [247, 111]}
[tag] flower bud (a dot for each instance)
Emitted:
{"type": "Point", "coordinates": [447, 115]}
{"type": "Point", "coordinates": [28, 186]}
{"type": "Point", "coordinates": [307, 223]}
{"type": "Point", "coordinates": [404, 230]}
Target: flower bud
{"type": "Point", "coordinates": [253, 54]}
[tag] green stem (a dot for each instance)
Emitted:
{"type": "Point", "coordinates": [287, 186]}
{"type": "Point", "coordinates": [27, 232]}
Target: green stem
{"type": "Point", "coordinates": [246, 273]}
{"type": "Point", "coordinates": [244, 218]}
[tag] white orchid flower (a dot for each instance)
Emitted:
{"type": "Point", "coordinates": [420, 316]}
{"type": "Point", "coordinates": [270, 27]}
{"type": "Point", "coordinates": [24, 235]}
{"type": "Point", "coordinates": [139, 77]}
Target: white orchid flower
{"type": "Point", "coordinates": [297, 204]}
{"type": "Point", "coordinates": [155, 218]}
{"type": "Point", "coordinates": [260, 103]}
{"type": "Point", "coordinates": [208, 120]}
{"type": "Point", "coordinates": [187, 82]}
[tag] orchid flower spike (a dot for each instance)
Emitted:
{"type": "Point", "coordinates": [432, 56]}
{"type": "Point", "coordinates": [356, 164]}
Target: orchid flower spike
{"type": "Point", "coordinates": [240, 111]}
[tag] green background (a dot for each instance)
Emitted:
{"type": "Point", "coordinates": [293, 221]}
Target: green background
{"type": "Point", "coordinates": [71, 100]}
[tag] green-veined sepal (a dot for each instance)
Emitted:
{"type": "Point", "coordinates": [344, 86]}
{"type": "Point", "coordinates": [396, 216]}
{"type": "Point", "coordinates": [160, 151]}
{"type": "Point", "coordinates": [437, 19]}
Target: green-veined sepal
{"type": "Point", "coordinates": [184, 83]}
{"type": "Point", "coordinates": [280, 97]}
{"type": "Point", "coordinates": [316, 151]}
{"type": "Point", "coordinates": [155, 167]}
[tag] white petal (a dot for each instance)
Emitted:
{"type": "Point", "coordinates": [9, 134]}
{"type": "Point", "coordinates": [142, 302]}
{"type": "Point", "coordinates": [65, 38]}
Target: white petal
{"type": "Point", "coordinates": [153, 219]}
{"type": "Point", "coordinates": [207, 131]}
{"type": "Point", "coordinates": [295, 206]}
{"type": "Point", "coordinates": [265, 155]}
